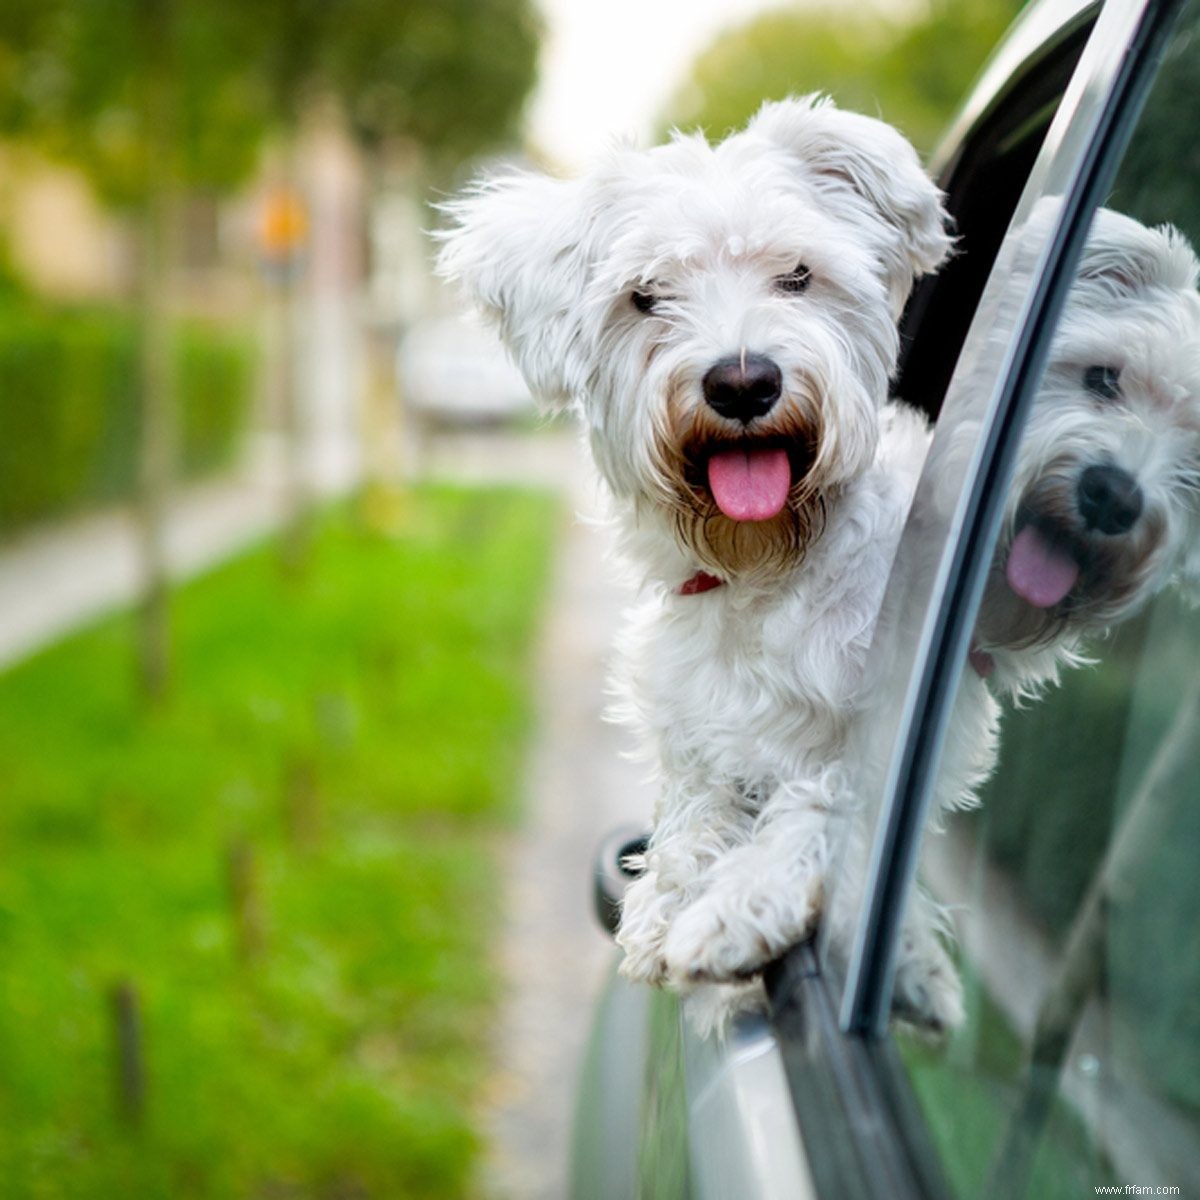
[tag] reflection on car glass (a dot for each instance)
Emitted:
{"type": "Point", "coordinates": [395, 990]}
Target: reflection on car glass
{"type": "Point", "coordinates": [1103, 511]}
{"type": "Point", "coordinates": [1073, 891]}
{"type": "Point", "coordinates": [1102, 514]}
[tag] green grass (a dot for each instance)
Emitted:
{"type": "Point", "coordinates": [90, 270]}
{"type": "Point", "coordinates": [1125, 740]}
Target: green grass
{"type": "Point", "coordinates": [968, 1091]}
{"type": "Point", "coordinates": [357, 738]}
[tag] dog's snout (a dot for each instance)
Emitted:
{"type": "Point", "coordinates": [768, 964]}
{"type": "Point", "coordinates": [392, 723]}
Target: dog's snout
{"type": "Point", "coordinates": [1109, 498]}
{"type": "Point", "coordinates": [743, 386]}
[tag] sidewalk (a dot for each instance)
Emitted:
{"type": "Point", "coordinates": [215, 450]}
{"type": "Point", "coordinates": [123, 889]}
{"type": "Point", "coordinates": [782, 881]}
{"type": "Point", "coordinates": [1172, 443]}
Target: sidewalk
{"type": "Point", "coordinates": [579, 788]}
{"type": "Point", "coordinates": [57, 577]}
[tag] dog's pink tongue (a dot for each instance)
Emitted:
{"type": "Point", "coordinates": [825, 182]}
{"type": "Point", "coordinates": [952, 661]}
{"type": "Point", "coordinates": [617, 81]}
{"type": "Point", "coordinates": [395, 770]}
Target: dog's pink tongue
{"type": "Point", "coordinates": [750, 485]}
{"type": "Point", "coordinates": [1037, 571]}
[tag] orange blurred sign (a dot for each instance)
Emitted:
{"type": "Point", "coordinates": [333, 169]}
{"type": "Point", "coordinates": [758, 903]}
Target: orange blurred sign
{"type": "Point", "coordinates": [283, 230]}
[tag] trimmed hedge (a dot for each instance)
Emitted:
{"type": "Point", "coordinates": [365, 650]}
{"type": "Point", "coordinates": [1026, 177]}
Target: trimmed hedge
{"type": "Point", "coordinates": [69, 406]}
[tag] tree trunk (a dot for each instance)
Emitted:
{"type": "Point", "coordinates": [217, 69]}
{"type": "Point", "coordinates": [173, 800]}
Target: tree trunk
{"type": "Point", "coordinates": [156, 366]}
{"type": "Point", "coordinates": [129, 1052]}
{"type": "Point", "coordinates": [385, 427]}
{"type": "Point", "coordinates": [297, 527]}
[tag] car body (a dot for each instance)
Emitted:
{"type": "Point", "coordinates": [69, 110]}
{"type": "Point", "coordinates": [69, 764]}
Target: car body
{"type": "Point", "coordinates": [1078, 107]}
{"type": "Point", "coordinates": [452, 370]}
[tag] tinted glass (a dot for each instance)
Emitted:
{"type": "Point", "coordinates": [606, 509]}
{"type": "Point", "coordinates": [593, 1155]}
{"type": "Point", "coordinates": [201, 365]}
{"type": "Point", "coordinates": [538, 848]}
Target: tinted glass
{"type": "Point", "coordinates": [1073, 883]}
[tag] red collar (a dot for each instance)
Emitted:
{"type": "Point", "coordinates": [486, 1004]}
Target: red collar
{"type": "Point", "coordinates": [702, 581]}
{"type": "Point", "coordinates": [982, 661]}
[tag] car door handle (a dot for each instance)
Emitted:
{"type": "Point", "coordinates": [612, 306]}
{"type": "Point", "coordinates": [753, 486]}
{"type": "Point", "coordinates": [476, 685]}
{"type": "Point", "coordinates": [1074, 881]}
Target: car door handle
{"type": "Point", "coordinates": [612, 873]}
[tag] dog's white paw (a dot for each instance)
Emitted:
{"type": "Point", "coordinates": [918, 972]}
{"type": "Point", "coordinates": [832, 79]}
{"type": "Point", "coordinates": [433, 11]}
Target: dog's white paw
{"type": "Point", "coordinates": [643, 962]}
{"type": "Point", "coordinates": [928, 993]}
{"type": "Point", "coordinates": [706, 945]}
{"type": "Point", "coordinates": [645, 913]}
{"type": "Point", "coordinates": [716, 941]}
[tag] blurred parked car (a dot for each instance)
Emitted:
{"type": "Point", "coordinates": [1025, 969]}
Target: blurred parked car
{"type": "Point", "coordinates": [453, 370]}
{"type": "Point", "coordinates": [1073, 888]}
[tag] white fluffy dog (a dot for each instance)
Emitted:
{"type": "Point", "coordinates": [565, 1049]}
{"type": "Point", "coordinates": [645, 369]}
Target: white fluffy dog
{"type": "Point", "coordinates": [1103, 512]}
{"type": "Point", "coordinates": [723, 318]}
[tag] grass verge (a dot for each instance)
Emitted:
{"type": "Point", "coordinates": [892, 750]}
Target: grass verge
{"type": "Point", "coordinates": [291, 865]}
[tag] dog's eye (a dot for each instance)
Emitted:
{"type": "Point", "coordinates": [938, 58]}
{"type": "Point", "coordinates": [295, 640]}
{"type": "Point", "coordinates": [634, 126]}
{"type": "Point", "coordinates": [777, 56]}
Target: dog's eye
{"type": "Point", "coordinates": [795, 281]}
{"type": "Point", "coordinates": [1104, 382]}
{"type": "Point", "coordinates": [644, 302]}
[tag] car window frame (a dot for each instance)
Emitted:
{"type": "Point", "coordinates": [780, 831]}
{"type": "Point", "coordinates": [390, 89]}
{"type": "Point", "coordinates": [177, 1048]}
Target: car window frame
{"type": "Point", "coordinates": [1005, 118]}
{"type": "Point", "coordinates": [862, 1131]}
{"type": "Point", "coordinates": [1075, 167]}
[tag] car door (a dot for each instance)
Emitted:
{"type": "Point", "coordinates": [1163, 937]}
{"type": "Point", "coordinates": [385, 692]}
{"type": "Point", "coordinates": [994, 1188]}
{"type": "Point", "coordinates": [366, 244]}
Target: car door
{"type": "Point", "coordinates": [1073, 887]}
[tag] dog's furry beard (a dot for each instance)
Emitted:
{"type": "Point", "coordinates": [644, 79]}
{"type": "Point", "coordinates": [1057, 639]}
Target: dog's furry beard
{"type": "Point", "coordinates": [1115, 574]}
{"type": "Point", "coordinates": [1131, 324]}
{"type": "Point", "coordinates": [751, 549]}
{"type": "Point", "coordinates": [743, 549]}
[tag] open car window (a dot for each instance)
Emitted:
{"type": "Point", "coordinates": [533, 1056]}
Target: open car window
{"type": "Point", "coordinates": [875, 945]}
{"type": "Point", "coordinates": [864, 1134]}
{"type": "Point", "coordinates": [1073, 745]}
{"type": "Point", "coordinates": [925, 617]}
{"type": "Point", "coordinates": [983, 169]}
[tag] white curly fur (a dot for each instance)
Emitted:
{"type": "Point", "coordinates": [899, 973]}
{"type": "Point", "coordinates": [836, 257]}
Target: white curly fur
{"type": "Point", "coordinates": [1134, 310]}
{"type": "Point", "coordinates": [741, 695]}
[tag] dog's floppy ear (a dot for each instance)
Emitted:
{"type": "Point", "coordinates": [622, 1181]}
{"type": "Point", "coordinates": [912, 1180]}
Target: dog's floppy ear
{"type": "Point", "coordinates": [1123, 257]}
{"type": "Point", "coordinates": [872, 165]}
{"type": "Point", "coordinates": [515, 243]}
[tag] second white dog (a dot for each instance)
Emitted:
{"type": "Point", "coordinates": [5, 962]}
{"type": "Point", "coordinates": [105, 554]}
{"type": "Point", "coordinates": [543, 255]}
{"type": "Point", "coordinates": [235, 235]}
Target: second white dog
{"type": "Point", "coordinates": [724, 320]}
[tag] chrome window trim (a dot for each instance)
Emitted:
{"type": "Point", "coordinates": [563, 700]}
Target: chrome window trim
{"type": "Point", "coordinates": [742, 1138]}
{"type": "Point", "coordinates": [863, 1135]}
{"type": "Point", "coordinates": [1019, 51]}
{"type": "Point", "coordinates": [993, 381]}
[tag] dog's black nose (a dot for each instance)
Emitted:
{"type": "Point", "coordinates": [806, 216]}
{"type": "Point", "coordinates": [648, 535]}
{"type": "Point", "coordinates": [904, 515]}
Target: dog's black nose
{"type": "Point", "coordinates": [1109, 498]}
{"type": "Point", "coordinates": [743, 386]}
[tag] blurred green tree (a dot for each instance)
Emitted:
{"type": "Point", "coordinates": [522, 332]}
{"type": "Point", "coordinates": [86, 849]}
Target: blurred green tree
{"type": "Point", "coordinates": [151, 97]}
{"type": "Point", "coordinates": [145, 98]}
{"type": "Point", "coordinates": [909, 70]}
{"type": "Point", "coordinates": [450, 76]}
{"type": "Point", "coordinates": [435, 80]}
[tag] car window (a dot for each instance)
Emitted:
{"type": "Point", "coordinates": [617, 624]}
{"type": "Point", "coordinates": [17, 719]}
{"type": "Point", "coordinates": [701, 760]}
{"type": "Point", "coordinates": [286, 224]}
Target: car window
{"type": "Point", "coordinates": [1065, 858]}
{"type": "Point", "coordinates": [983, 176]}
{"type": "Point", "coordinates": [923, 621]}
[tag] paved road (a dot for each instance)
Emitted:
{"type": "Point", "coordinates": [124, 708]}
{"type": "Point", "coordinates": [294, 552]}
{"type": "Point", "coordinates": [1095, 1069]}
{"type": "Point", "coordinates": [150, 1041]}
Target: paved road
{"type": "Point", "coordinates": [579, 788]}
